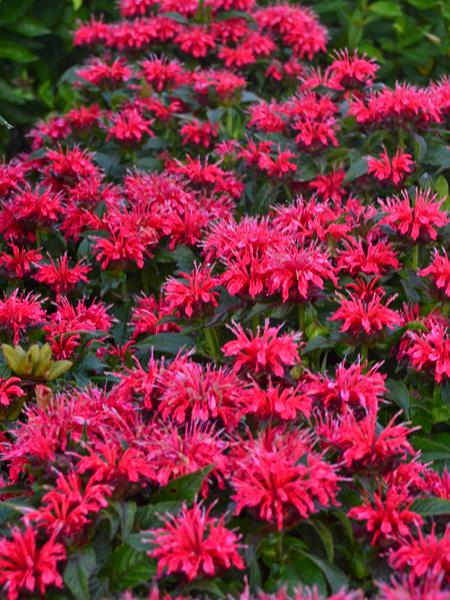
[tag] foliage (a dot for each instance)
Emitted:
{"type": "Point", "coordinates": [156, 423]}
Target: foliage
{"type": "Point", "coordinates": [410, 38]}
{"type": "Point", "coordinates": [35, 50]}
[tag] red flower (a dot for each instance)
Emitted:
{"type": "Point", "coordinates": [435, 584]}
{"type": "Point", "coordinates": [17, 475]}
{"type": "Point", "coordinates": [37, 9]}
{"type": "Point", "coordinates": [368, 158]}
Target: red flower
{"type": "Point", "coordinates": [365, 316]}
{"type": "Point", "coordinates": [430, 350]}
{"type": "Point", "coordinates": [162, 74]}
{"type": "Point", "coordinates": [298, 272]}
{"type": "Point", "coordinates": [19, 312]}
{"type": "Point", "coordinates": [97, 71]}
{"type": "Point", "coordinates": [59, 276]}
{"type": "Point", "coordinates": [199, 134]}
{"type": "Point", "coordinates": [9, 390]}
{"type": "Point", "coordinates": [364, 444]}
{"type": "Point", "coordinates": [265, 351]}
{"type": "Point", "coordinates": [195, 41]}
{"type": "Point", "coordinates": [274, 401]}
{"type": "Point", "coordinates": [388, 516]}
{"type": "Point", "coordinates": [280, 166]}
{"type": "Point", "coordinates": [352, 387]}
{"type": "Point", "coordinates": [417, 217]}
{"type": "Point", "coordinates": [129, 126]}
{"type": "Point", "coordinates": [439, 269]}
{"type": "Point", "coordinates": [279, 474]}
{"type": "Point", "coordinates": [194, 294]}
{"type": "Point", "coordinates": [20, 262]}
{"type": "Point", "coordinates": [113, 463]}
{"type": "Point", "coordinates": [393, 170]}
{"type": "Point", "coordinates": [70, 506]}
{"type": "Point", "coordinates": [174, 452]}
{"type": "Point", "coordinates": [147, 314]}
{"type": "Point", "coordinates": [26, 567]}
{"type": "Point", "coordinates": [195, 544]}
{"type": "Point", "coordinates": [351, 72]}
{"type": "Point", "coordinates": [427, 555]}
{"type": "Point", "coordinates": [369, 256]}
{"type": "Point", "coordinates": [192, 392]}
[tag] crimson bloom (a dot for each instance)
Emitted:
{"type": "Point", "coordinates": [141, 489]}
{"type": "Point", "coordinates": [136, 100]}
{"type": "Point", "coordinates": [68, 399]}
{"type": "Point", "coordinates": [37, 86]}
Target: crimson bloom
{"type": "Point", "coordinates": [28, 567]}
{"type": "Point", "coordinates": [281, 476]}
{"type": "Point", "coordinates": [395, 169]}
{"type": "Point", "coordinates": [9, 390]}
{"type": "Point", "coordinates": [439, 270]}
{"type": "Point", "coordinates": [266, 351]}
{"type": "Point", "coordinates": [196, 544]}
{"type": "Point", "coordinates": [365, 316]}
{"type": "Point", "coordinates": [388, 515]}
{"type": "Point", "coordinates": [194, 294]}
{"type": "Point", "coordinates": [58, 275]}
{"type": "Point", "coordinates": [424, 555]}
{"type": "Point", "coordinates": [19, 312]}
{"type": "Point", "coordinates": [416, 218]}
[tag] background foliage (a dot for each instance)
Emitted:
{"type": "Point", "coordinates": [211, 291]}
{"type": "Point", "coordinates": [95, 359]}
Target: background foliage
{"type": "Point", "coordinates": [35, 50]}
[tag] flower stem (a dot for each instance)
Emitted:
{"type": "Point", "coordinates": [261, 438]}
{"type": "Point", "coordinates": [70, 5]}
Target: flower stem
{"type": "Point", "coordinates": [212, 341]}
{"type": "Point", "coordinates": [301, 317]}
{"type": "Point", "coordinates": [364, 353]}
{"type": "Point", "coordinates": [415, 257]}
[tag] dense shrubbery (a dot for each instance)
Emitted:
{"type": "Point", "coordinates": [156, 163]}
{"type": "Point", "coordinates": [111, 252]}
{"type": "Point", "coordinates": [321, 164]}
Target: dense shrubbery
{"type": "Point", "coordinates": [35, 50]}
{"type": "Point", "coordinates": [225, 337]}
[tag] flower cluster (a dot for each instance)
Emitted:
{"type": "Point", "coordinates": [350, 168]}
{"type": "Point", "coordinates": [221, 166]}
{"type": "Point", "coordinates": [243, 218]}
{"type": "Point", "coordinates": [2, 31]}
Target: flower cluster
{"type": "Point", "coordinates": [224, 321]}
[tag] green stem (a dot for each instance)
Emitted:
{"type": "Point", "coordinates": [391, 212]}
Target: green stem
{"type": "Point", "coordinates": [415, 257]}
{"type": "Point", "coordinates": [301, 317]}
{"type": "Point", "coordinates": [364, 353]}
{"type": "Point", "coordinates": [212, 342]}
{"type": "Point", "coordinates": [145, 282]}
{"type": "Point", "coordinates": [38, 238]}
{"type": "Point", "coordinates": [255, 323]}
{"type": "Point", "coordinates": [124, 289]}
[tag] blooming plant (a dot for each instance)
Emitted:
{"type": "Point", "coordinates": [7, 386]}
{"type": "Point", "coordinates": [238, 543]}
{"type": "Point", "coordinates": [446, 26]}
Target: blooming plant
{"type": "Point", "coordinates": [224, 320]}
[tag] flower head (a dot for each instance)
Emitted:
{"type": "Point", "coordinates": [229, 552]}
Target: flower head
{"type": "Point", "coordinates": [196, 544]}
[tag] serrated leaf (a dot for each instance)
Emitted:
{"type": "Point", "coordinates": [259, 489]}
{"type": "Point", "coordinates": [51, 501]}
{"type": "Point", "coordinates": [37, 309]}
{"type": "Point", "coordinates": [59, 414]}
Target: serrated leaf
{"type": "Point", "coordinates": [150, 516]}
{"type": "Point", "coordinates": [167, 343]}
{"type": "Point", "coordinates": [130, 568]}
{"type": "Point", "coordinates": [428, 507]}
{"type": "Point", "coordinates": [127, 514]}
{"type": "Point", "coordinates": [357, 169]}
{"type": "Point", "coordinates": [398, 393]}
{"type": "Point", "coordinates": [16, 52]}
{"type": "Point", "coordinates": [78, 571]}
{"type": "Point", "coordinates": [183, 488]}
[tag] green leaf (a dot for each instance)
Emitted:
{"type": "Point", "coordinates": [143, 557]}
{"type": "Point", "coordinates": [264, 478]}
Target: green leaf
{"type": "Point", "coordinates": [183, 488]}
{"type": "Point", "coordinates": [335, 577]}
{"type": "Point", "coordinates": [130, 568]}
{"type": "Point", "coordinates": [398, 393]}
{"type": "Point", "coordinates": [326, 537]}
{"type": "Point", "coordinates": [16, 52]}
{"type": "Point", "coordinates": [432, 449]}
{"type": "Point", "coordinates": [357, 169]}
{"type": "Point", "coordinates": [149, 516]}
{"type": "Point", "coordinates": [77, 4]}
{"type": "Point", "coordinates": [441, 187]}
{"type": "Point", "coordinates": [167, 343]}
{"type": "Point", "coordinates": [77, 572]}
{"type": "Point", "coordinates": [127, 514]}
{"type": "Point", "coordinates": [29, 27]}
{"type": "Point", "coordinates": [428, 507]}
{"type": "Point", "coordinates": [383, 8]}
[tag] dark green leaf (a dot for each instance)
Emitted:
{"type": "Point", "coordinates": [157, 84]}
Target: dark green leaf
{"type": "Point", "coordinates": [428, 507]}
{"type": "Point", "coordinates": [183, 488]}
{"type": "Point", "coordinates": [130, 568]}
{"type": "Point", "coordinates": [78, 571]}
{"type": "Point", "coordinates": [357, 169]}
{"type": "Point", "coordinates": [167, 343]}
{"type": "Point", "coordinates": [398, 393]}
